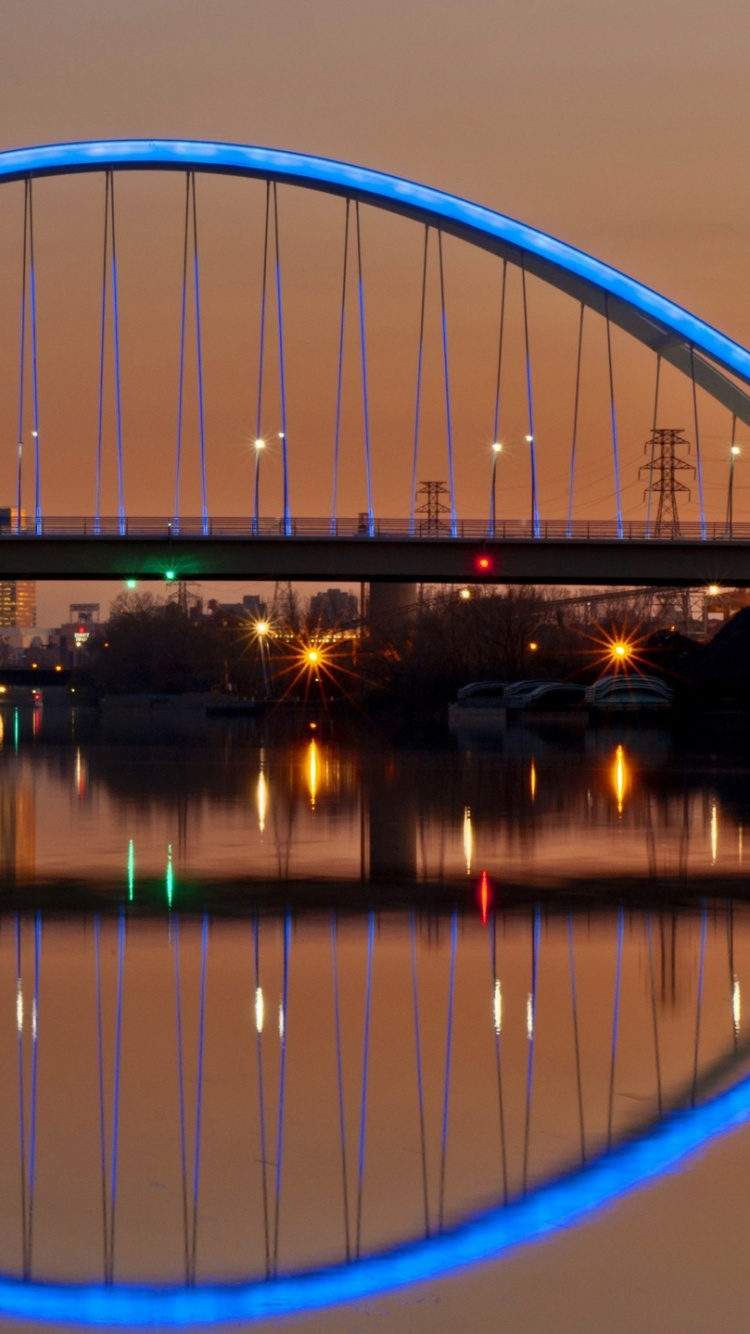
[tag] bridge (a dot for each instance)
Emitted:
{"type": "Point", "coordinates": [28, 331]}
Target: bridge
{"type": "Point", "coordinates": [358, 345]}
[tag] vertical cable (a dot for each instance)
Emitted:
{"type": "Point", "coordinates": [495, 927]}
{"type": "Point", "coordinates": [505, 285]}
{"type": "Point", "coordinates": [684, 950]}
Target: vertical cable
{"type": "Point", "coordinates": [363, 353]}
{"type": "Point", "coordinates": [446, 378]}
{"type": "Point", "coordinates": [21, 1097]}
{"type": "Point", "coordinates": [199, 1097]}
{"type": "Point", "coordinates": [498, 1065]}
{"type": "Point", "coordinates": [531, 1028]}
{"type": "Point", "coordinates": [420, 1086]}
{"type": "Point", "coordinates": [447, 1080]}
{"type": "Point", "coordinates": [102, 1122]}
{"type": "Point", "coordinates": [261, 1099]}
{"type": "Point", "coordinates": [699, 1004]}
{"type": "Point", "coordinates": [34, 369]}
{"type": "Point", "coordinates": [282, 1089]}
{"type": "Point", "coordinates": [181, 389]}
{"type": "Point", "coordinates": [339, 384]}
{"type": "Point", "coordinates": [365, 1071]}
{"type": "Point", "coordinates": [181, 1091]}
{"type": "Point", "coordinates": [340, 1076]}
{"type": "Point", "coordinates": [530, 408]}
{"type": "Point", "coordinates": [654, 1020]}
{"type": "Point", "coordinates": [698, 465]}
{"type": "Point", "coordinates": [116, 1095]}
{"type": "Point", "coordinates": [102, 345]}
{"type": "Point", "coordinates": [613, 416]}
{"type": "Point", "coordinates": [199, 363]}
{"type": "Point", "coordinates": [22, 354]}
{"type": "Point", "coordinates": [615, 1027]}
{"type": "Point", "coordinates": [261, 354]}
{"type": "Point", "coordinates": [498, 386]}
{"type": "Point", "coordinates": [116, 338]}
{"type": "Point", "coordinates": [653, 445]}
{"type": "Point", "coordinates": [282, 375]}
{"type": "Point", "coordinates": [574, 441]}
{"type": "Point", "coordinates": [576, 1039]}
{"type": "Point", "coordinates": [418, 404]}
{"type": "Point", "coordinates": [34, 1083]}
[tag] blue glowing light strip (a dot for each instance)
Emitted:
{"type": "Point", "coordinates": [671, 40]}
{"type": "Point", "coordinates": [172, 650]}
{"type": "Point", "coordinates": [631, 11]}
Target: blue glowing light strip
{"type": "Point", "coordinates": [562, 1203]}
{"type": "Point", "coordinates": [391, 192]}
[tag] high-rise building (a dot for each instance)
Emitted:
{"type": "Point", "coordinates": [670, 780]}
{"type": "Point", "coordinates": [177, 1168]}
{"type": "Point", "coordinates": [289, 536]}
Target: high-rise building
{"type": "Point", "coordinates": [17, 602]}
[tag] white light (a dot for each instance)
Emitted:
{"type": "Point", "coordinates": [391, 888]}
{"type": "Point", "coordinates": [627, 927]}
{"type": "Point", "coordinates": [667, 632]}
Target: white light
{"type": "Point", "coordinates": [19, 1008]}
{"type": "Point", "coordinates": [497, 447]}
{"type": "Point", "coordinates": [497, 1007]}
{"type": "Point", "coordinates": [468, 839]}
{"type": "Point", "coordinates": [281, 435]}
{"type": "Point", "coordinates": [259, 1009]}
{"type": "Point", "coordinates": [33, 1019]}
{"type": "Point", "coordinates": [260, 444]}
{"type": "Point", "coordinates": [736, 1005]}
{"type": "Point", "coordinates": [262, 799]}
{"type": "Point", "coordinates": [35, 434]}
{"type": "Point", "coordinates": [735, 449]}
{"type": "Point", "coordinates": [281, 1022]}
{"type": "Point", "coordinates": [529, 439]}
{"type": "Point", "coordinates": [529, 1017]}
{"type": "Point", "coordinates": [714, 832]}
{"type": "Point", "coordinates": [465, 594]}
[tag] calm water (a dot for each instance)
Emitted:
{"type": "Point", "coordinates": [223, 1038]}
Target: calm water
{"type": "Point", "coordinates": [276, 999]}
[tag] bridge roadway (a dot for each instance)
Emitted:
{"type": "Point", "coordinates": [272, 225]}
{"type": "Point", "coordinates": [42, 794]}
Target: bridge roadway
{"type": "Point", "coordinates": [593, 554]}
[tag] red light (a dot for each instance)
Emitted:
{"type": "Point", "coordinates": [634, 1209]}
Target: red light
{"type": "Point", "coordinates": [484, 897]}
{"type": "Point", "coordinates": [483, 564]}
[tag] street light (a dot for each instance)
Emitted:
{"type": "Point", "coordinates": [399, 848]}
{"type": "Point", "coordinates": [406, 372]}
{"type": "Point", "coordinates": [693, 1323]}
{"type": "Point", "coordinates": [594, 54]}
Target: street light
{"type": "Point", "coordinates": [496, 450]}
{"type": "Point", "coordinates": [733, 453]}
{"type": "Point", "coordinates": [260, 445]}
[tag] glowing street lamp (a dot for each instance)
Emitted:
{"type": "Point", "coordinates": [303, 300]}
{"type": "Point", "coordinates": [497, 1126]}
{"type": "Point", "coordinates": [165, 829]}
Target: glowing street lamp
{"type": "Point", "coordinates": [497, 449]}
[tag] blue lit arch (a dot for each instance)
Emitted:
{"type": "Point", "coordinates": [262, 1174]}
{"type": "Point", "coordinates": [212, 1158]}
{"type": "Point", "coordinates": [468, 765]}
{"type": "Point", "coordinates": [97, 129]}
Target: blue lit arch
{"type": "Point", "coordinates": [690, 344]}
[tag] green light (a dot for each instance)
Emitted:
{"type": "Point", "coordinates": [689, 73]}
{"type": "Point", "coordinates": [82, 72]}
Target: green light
{"type": "Point", "coordinates": [169, 575]}
{"type": "Point", "coordinates": [15, 729]}
{"type": "Point", "coordinates": [131, 870]}
{"type": "Point", "coordinates": [131, 583]}
{"type": "Point", "coordinates": [170, 876]}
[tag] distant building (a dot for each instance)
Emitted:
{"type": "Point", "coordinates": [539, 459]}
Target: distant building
{"type": "Point", "coordinates": [332, 609]}
{"type": "Point", "coordinates": [251, 606]}
{"type": "Point", "coordinates": [17, 602]}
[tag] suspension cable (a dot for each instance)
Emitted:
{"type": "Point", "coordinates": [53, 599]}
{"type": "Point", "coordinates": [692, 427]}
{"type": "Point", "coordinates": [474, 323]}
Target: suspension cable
{"type": "Point", "coordinates": [576, 1037]}
{"type": "Point", "coordinates": [447, 1077]}
{"type": "Point", "coordinates": [446, 377]}
{"type": "Point", "coordinates": [199, 362]}
{"type": "Point", "coordinates": [613, 417]}
{"type": "Point", "coordinates": [261, 1095]}
{"type": "Point", "coordinates": [497, 1005]}
{"type": "Point", "coordinates": [698, 466]}
{"type": "Point", "coordinates": [340, 1076]}
{"type": "Point", "coordinates": [282, 375]}
{"type": "Point", "coordinates": [418, 405]}
{"type": "Point", "coordinates": [339, 384]}
{"type": "Point", "coordinates": [574, 442]}
{"type": "Point", "coordinates": [102, 345]}
{"type": "Point", "coordinates": [116, 334]}
{"type": "Point", "coordinates": [282, 1087]}
{"type": "Point", "coordinates": [34, 368]}
{"type": "Point", "coordinates": [22, 355]}
{"type": "Point", "coordinates": [365, 1072]}
{"type": "Point", "coordinates": [653, 445]}
{"type": "Point", "coordinates": [498, 383]}
{"type": "Point", "coordinates": [181, 389]}
{"type": "Point", "coordinates": [21, 1093]}
{"type": "Point", "coordinates": [530, 407]}
{"type": "Point", "coordinates": [531, 1032]}
{"type": "Point", "coordinates": [261, 355]}
{"type": "Point", "coordinates": [615, 1026]}
{"type": "Point", "coordinates": [363, 353]}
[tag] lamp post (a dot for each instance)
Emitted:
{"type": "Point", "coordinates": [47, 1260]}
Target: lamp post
{"type": "Point", "coordinates": [530, 441]}
{"type": "Point", "coordinates": [260, 445]}
{"type": "Point", "coordinates": [733, 452]}
{"type": "Point", "coordinates": [496, 450]}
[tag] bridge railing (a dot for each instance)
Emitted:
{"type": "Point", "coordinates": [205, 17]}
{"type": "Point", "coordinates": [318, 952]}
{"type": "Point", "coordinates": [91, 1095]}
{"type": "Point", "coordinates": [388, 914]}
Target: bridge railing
{"type": "Point", "coordinates": [473, 530]}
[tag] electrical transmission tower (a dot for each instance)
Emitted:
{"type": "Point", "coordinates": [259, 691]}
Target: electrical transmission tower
{"type": "Point", "coordinates": [665, 462]}
{"type": "Point", "coordinates": [433, 507]}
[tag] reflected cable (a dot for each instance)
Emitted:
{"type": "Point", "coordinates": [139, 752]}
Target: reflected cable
{"type": "Point", "coordinates": [574, 441]}
{"type": "Point", "coordinates": [530, 407]}
{"type": "Point", "coordinates": [34, 1086]}
{"type": "Point", "coordinates": [339, 386]}
{"type": "Point", "coordinates": [199, 1097]}
{"type": "Point", "coordinates": [282, 1087]}
{"type": "Point", "coordinates": [22, 354]}
{"type": "Point", "coordinates": [116, 345]}
{"type": "Point", "coordinates": [340, 1076]}
{"type": "Point", "coordinates": [116, 1097]}
{"type": "Point", "coordinates": [365, 1071]}
{"type": "Point", "coordinates": [420, 1086]}
{"type": "Point", "coordinates": [613, 417]}
{"type": "Point", "coordinates": [615, 1026]}
{"type": "Point", "coordinates": [576, 1037]}
{"type": "Point", "coordinates": [365, 394]}
{"type": "Point", "coordinates": [21, 1097]}
{"type": "Point", "coordinates": [498, 385]}
{"type": "Point", "coordinates": [531, 1024]}
{"type": "Point", "coordinates": [699, 1003]}
{"type": "Point", "coordinates": [199, 360]}
{"type": "Point", "coordinates": [653, 445]}
{"type": "Point", "coordinates": [261, 1100]}
{"type": "Point", "coordinates": [654, 1019]}
{"type": "Point", "coordinates": [34, 369]}
{"type": "Point", "coordinates": [261, 356]}
{"type": "Point", "coordinates": [446, 378]}
{"type": "Point", "coordinates": [447, 1078]}
{"type": "Point", "coordinates": [282, 373]}
{"type": "Point", "coordinates": [698, 465]}
{"type": "Point", "coordinates": [418, 404]}
{"type": "Point", "coordinates": [102, 346]}
{"type": "Point", "coordinates": [498, 1065]}
{"type": "Point", "coordinates": [181, 390]}
{"type": "Point", "coordinates": [181, 1090]}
